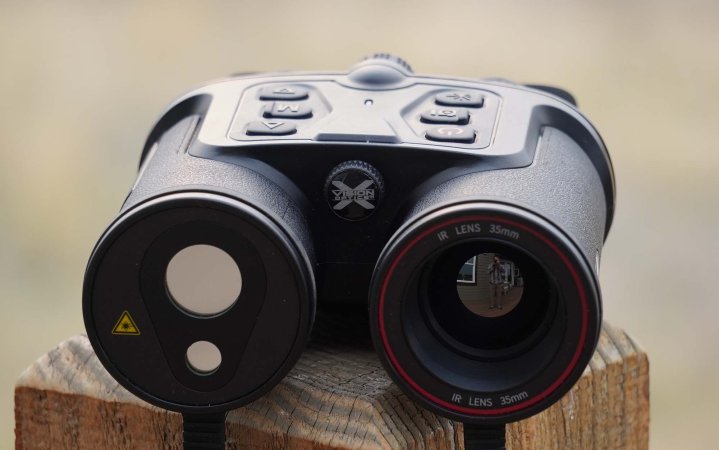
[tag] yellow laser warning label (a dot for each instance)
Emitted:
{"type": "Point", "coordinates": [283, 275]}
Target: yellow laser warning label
{"type": "Point", "coordinates": [125, 326]}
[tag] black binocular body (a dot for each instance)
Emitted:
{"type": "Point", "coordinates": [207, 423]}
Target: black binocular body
{"type": "Point", "coordinates": [467, 216]}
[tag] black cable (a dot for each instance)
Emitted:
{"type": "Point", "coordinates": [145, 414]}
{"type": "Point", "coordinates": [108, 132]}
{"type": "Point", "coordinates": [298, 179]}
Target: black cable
{"type": "Point", "coordinates": [484, 437]}
{"type": "Point", "coordinates": [203, 431]}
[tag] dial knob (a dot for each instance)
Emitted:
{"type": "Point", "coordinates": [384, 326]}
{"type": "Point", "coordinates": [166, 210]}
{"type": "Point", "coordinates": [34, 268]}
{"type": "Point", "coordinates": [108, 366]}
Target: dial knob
{"type": "Point", "coordinates": [354, 190]}
{"type": "Point", "coordinates": [388, 60]}
{"type": "Point", "coordinates": [380, 70]}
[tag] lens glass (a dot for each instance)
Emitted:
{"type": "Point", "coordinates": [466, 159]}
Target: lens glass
{"type": "Point", "coordinates": [203, 280]}
{"type": "Point", "coordinates": [203, 357]}
{"type": "Point", "coordinates": [490, 284]}
{"type": "Point", "coordinates": [486, 297]}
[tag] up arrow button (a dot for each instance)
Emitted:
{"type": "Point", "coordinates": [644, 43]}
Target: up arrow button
{"type": "Point", "coordinates": [283, 93]}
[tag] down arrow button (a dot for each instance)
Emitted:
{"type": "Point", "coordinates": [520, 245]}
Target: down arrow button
{"type": "Point", "coordinates": [270, 128]}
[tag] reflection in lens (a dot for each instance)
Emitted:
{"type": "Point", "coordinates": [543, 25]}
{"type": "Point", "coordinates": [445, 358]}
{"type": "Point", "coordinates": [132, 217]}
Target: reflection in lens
{"type": "Point", "coordinates": [490, 285]}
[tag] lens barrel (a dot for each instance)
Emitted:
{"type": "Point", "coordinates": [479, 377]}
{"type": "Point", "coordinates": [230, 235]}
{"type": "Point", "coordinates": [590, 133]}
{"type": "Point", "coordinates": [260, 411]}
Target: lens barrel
{"type": "Point", "coordinates": [471, 367]}
{"type": "Point", "coordinates": [216, 299]}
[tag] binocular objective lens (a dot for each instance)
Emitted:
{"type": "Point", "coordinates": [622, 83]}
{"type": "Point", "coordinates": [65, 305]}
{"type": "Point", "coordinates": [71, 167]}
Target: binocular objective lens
{"type": "Point", "coordinates": [481, 302]}
{"type": "Point", "coordinates": [203, 280]}
{"type": "Point", "coordinates": [490, 284]}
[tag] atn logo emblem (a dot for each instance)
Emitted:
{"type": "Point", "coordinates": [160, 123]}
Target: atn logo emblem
{"type": "Point", "coordinates": [360, 194]}
{"type": "Point", "coordinates": [353, 190]}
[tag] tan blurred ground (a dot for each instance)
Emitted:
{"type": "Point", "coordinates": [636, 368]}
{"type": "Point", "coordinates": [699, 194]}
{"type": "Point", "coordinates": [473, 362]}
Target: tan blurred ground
{"type": "Point", "coordinates": [81, 83]}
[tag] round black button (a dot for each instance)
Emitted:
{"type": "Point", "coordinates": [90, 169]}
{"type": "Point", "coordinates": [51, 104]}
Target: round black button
{"type": "Point", "coordinates": [354, 189]}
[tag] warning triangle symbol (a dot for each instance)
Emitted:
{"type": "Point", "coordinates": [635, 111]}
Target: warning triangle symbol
{"type": "Point", "coordinates": [126, 326]}
{"type": "Point", "coordinates": [272, 125]}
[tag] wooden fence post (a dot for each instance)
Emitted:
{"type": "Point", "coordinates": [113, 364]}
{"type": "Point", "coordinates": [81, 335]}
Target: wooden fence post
{"type": "Point", "coordinates": [337, 397]}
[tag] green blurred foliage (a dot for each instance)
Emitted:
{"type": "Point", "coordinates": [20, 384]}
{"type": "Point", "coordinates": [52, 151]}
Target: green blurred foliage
{"type": "Point", "coordinates": [82, 82]}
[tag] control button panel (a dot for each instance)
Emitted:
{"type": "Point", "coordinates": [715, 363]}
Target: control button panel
{"type": "Point", "coordinates": [464, 118]}
{"type": "Point", "coordinates": [324, 110]}
{"type": "Point", "coordinates": [277, 111]}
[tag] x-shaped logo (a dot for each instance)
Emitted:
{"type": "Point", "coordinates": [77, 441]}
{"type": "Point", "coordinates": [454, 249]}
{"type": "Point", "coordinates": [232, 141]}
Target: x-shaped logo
{"type": "Point", "coordinates": [347, 195]}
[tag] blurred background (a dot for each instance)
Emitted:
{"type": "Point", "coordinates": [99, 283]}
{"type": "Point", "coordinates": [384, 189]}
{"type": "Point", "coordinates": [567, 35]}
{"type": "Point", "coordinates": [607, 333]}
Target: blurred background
{"type": "Point", "coordinates": [82, 82]}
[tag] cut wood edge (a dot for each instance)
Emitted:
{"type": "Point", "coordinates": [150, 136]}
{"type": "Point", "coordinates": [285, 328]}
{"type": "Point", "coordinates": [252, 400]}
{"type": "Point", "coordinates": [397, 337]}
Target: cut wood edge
{"type": "Point", "coordinates": [336, 398]}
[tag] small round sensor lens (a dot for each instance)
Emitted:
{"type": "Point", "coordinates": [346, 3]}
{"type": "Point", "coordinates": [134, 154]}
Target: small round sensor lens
{"type": "Point", "coordinates": [203, 357]}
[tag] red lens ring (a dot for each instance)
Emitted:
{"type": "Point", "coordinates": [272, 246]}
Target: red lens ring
{"type": "Point", "coordinates": [476, 411]}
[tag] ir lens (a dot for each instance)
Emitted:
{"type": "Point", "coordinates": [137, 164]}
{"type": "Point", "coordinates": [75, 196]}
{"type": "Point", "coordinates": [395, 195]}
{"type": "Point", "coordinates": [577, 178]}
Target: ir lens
{"type": "Point", "coordinates": [203, 280]}
{"type": "Point", "coordinates": [494, 305]}
{"type": "Point", "coordinates": [483, 312]}
{"type": "Point", "coordinates": [490, 284]}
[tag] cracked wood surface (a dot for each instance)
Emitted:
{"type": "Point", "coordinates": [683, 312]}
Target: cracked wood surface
{"type": "Point", "coordinates": [337, 397]}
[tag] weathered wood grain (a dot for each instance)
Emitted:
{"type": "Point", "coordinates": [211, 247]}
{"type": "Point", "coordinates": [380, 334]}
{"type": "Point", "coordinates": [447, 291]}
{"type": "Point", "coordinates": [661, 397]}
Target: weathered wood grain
{"type": "Point", "coordinates": [337, 397]}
